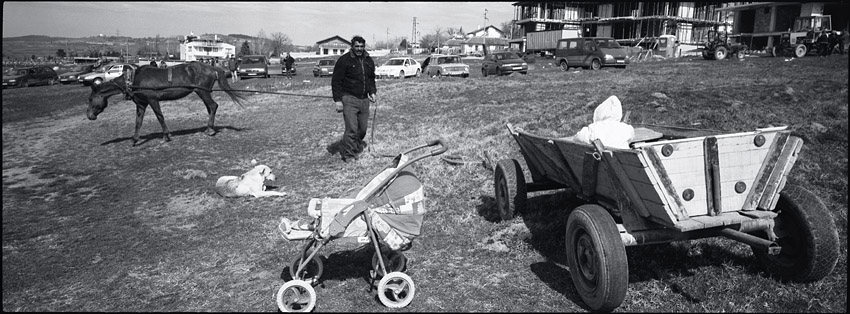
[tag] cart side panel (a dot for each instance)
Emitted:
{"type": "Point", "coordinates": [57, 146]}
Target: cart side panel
{"type": "Point", "coordinates": [650, 191]}
{"type": "Point", "coordinates": [545, 161]}
{"type": "Point", "coordinates": [740, 162]}
{"type": "Point", "coordinates": [684, 166]}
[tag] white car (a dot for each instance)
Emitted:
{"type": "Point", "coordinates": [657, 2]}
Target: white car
{"type": "Point", "coordinates": [109, 72]}
{"type": "Point", "coordinates": [399, 68]}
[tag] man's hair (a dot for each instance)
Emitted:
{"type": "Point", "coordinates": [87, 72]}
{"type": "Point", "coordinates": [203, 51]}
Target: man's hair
{"type": "Point", "coordinates": [359, 39]}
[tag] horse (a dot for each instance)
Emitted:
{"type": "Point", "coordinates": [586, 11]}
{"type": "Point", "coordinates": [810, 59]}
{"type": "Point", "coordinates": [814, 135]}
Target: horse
{"type": "Point", "coordinates": [150, 85]}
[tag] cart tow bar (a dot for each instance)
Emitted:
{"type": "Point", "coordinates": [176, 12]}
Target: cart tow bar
{"type": "Point", "coordinates": [771, 247]}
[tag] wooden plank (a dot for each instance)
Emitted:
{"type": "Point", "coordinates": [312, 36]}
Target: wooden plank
{"type": "Point", "coordinates": [712, 176]}
{"type": "Point", "coordinates": [674, 202]}
{"type": "Point", "coordinates": [763, 177]}
{"type": "Point", "coordinates": [780, 172]}
{"type": "Point", "coordinates": [701, 135]}
{"type": "Point", "coordinates": [589, 175]}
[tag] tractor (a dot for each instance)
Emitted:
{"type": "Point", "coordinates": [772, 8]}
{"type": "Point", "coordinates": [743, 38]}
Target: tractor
{"type": "Point", "coordinates": [720, 45]}
{"type": "Point", "coordinates": [802, 39]}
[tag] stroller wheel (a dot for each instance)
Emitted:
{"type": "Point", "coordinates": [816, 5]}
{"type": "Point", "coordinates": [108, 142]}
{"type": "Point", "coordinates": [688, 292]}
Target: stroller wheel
{"type": "Point", "coordinates": [296, 296]}
{"type": "Point", "coordinates": [395, 262]}
{"type": "Point", "coordinates": [396, 290]}
{"type": "Point", "coordinates": [311, 272]}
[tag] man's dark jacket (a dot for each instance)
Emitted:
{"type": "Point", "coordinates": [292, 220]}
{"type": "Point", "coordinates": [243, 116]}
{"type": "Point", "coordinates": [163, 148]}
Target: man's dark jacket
{"type": "Point", "coordinates": [354, 76]}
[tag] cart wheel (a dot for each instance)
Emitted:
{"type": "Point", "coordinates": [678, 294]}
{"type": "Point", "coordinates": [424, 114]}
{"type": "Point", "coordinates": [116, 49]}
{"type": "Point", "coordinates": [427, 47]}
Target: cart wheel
{"type": "Point", "coordinates": [511, 193]}
{"type": "Point", "coordinates": [597, 258]}
{"type": "Point", "coordinates": [807, 235]}
{"type": "Point", "coordinates": [396, 290]}
{"type": "Point", "coordinates": [720, 53]}
{"type": "Point", "coordinates": [311, 272]}
{"type": "Point", "coordinates": [395, 262]}
{"type": "Point", "coordinates": [296, 296]}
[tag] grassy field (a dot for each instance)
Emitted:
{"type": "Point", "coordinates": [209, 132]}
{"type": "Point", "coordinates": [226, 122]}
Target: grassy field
{"type": "Point", "coordinates": [93, 224]}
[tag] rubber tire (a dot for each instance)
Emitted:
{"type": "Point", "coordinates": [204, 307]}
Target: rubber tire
{"type": "Point", "coordinates": [97, 81]}
{"type": "Point", "coordinates": [720, 53]}
{"type": "Point", "coordinates": [706, 55]}
{"type": "Point", "coordinates": [50, 82]}
{"type": "Point", "coordinates": [396, 301]}
{"type": "Point", "coordinates": [597, 258]}
{"type": "Point", "coordinates": [808, 237]}
{"type": "Point", "coordinates": [483, 72]}
{"type": "Point", "coordinates": [499, 72]}
{"type": "Point", "coordinates": [564, 66]}
{"type": "Point", "coordinates": [298, 285]}
{"type": "Point", "coordinates": [595, 64]}
{"type": "Point", "coordinates": [25, 83]}
{"type": "Point", "coordinates": [800, 51]}
{"type": "Point", "coordinates": [401, 74]}
{"type": "Point", "coordinates": [773, 52]}
{"type": "Point", "coordinates": [395, 262]}
{"type": "Point", "coordinates": [510, 190]}
{"type": "Point", "coordinates": [314, 269]}
{"type": "Point", "coordinates": [418, 72]}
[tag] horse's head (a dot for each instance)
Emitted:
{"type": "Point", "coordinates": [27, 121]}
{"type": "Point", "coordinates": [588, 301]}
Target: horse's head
{"type": "Point", "coordinates": [98, 98]}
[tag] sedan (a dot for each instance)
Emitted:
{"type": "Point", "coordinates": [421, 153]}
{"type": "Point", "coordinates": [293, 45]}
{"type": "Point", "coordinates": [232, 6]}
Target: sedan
{"type": "Point", "coordinates": [445, 65]}
{"type": "Point", "coordinates": [74, 74]}
{"type": "Point", "coordinates": [24, 77]}
{"type": "Point", "coordinates": [399, 68]}
{"type": "Point", "coordinates": [324, 67]}
{"type": "Point", "coordinates": [502, 63]}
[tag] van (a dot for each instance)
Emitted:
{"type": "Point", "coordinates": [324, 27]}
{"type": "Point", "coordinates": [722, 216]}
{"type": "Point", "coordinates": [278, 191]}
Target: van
{"type": "Point", "coordinates": [590, 53]}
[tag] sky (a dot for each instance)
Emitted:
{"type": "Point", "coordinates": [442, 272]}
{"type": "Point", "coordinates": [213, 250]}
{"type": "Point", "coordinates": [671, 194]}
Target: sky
{"type": "Point", "coordinates": [304, 22]}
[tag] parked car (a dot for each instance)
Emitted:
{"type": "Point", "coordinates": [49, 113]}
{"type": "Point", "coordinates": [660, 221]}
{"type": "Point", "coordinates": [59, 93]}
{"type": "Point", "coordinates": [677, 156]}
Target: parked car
{"type": "Point", "coordinates": [399, 68]}
{"type": "Point", "coordinates": [36, 75]}
{"type": "Point", "coordinates": [105, 74]}
{"type": "Point", "coordinates": [590, 52]}
{"type": "Point", "coordinates": [501, 63]}
{"type": "Point", "coordinates": [253, 66]}
{"type": "Point", "coordinates": [445, 65]}
{"type": "Point", "coordinates": [324, 67]}
{"type": "Point", "coordinates": [72, 75]}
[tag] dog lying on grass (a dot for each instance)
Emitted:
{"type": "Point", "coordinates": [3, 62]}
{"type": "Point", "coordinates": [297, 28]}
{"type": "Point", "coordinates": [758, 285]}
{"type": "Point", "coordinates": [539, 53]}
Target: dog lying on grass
{"type": "Point", "coordinates": [249, 183]}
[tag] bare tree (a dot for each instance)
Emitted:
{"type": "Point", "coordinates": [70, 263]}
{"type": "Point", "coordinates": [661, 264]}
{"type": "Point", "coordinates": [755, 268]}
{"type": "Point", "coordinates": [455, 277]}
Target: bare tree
{"type": "Point", "coordinates": [260, 47]}
{"type": "Point", "coordinates": [507, 28]}
{"type": "Point", "coordinates": [281, 43]}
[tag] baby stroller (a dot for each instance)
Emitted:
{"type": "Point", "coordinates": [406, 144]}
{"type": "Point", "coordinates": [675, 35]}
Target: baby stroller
{"type": "Point", "coordinates": [388, 212]}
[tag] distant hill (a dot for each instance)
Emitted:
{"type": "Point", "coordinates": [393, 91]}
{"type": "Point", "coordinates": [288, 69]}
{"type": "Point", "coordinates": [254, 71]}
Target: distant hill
{"type": "Point", "coordinates": [21, 47]}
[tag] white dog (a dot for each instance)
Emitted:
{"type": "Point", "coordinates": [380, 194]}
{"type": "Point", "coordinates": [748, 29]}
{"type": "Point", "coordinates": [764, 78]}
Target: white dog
{"type": "Point", "coordinates": [250, 183]}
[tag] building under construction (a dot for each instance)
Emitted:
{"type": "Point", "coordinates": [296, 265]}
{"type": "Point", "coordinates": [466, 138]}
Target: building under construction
{"type": "Point", "coordinates": [540, 24]}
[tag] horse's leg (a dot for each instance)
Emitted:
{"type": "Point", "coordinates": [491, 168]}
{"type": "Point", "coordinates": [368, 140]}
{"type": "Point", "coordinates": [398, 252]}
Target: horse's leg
{"type": "Point", "coordinates": [212, 107]}
{"type": "Point", "coordinates": [158, 112]}
{"type": "Point", "coordinates": [140, 114]}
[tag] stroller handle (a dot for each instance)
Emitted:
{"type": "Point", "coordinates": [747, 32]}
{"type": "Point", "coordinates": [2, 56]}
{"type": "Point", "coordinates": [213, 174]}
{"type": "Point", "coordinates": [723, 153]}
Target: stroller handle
{"type": "Point", "coordinates": [443, 146]}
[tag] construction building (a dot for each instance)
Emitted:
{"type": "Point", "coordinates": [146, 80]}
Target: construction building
{"type": "Point", "coordinates": [541, 24]}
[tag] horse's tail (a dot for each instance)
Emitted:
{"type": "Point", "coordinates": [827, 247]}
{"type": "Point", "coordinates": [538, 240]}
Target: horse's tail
{"type": "Point", "coordinates": [222, 82]}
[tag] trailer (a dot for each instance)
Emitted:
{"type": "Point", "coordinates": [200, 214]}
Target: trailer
{"type": "Point", "coordinates": [673, 184]}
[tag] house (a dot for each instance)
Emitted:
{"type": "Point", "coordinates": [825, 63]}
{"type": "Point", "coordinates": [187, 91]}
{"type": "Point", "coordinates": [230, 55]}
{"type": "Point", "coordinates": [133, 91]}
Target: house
{"type": "Point", "coordinates": [489, 36]}
{"type": "Point", "coordinates": [760, 24]}
{"type": "Point", "coordinates": [333, 46]}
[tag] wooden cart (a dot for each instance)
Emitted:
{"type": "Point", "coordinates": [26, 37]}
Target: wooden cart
{"type": "Point", "coordinates": [674, 184]}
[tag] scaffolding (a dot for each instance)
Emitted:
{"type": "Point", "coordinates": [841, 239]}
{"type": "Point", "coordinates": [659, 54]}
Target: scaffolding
{"type": "Point", "coordinates": [627, 22]}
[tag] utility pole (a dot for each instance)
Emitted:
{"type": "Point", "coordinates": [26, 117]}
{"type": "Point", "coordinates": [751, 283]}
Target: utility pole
{"type": "Point", "coordinates": [486, 20]}
{"type": "Point", "coordinates": [388, 38]}
{"type": "Point", "coordinates": [413, 34]}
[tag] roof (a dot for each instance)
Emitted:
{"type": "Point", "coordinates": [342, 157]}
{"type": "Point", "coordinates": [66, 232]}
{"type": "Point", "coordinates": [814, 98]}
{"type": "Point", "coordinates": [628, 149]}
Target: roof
{"type": "Point", "coordinates": [483, 28]}
{"type": "Point", "coordinates": [490, 41]}
{"type": "Point", "coordinates": [333, 38]}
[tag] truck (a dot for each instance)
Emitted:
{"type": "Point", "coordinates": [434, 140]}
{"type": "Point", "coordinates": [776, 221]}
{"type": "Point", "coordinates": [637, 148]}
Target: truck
{"type": "Point", "coordinates": [802, 39]}
{"type": "Point", "coordinates": [547, 41]}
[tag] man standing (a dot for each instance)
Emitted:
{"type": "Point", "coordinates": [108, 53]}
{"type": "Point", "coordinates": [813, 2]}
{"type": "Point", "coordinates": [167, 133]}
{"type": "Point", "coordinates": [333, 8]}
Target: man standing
{"type": "Point", "coordinates": [231, 65]}
{"type": "Point", "coordinates": [287, 62]}
{"type": "Point", "coordinates": [353, 87]}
